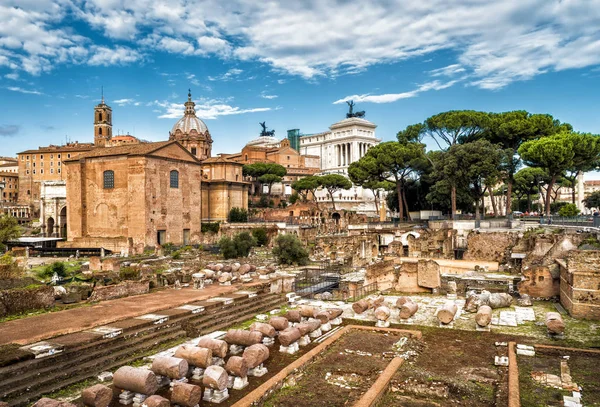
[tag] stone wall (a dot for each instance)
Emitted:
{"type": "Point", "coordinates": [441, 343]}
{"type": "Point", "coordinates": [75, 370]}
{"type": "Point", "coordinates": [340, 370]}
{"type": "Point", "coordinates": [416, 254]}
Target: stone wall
{"type": "Point", "coordinates": [405, 276]}
{"type": "Point", "coordinates": [123, 289]}
{"type": "Point", "coordinates": [580, 284]}
{"type": "Point", "coordinates": [494, 246]}
{"type": "Point", "coordinates": [25, 299]}
{"type": "Point", "coordinates": [541, 281]}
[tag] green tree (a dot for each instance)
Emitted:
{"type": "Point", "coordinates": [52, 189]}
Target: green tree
{"type": "Point", "coordinates": [227, 248]}
{"type": "Point", "coordinates": [307, 184]}
{"type": "Point", "coordinates": [592, 201]}
{"type": "Point", "coordinates": [288, 249]}
{"type": "Point", "coordinates": [261, 237]}
{"type": "Point", "coordinates": [9, 230]}
{"type": "Point", "coordinates": [510, 130]}
{"type": "Point", "coordinates": [333, 183]}
{"type": "Point", "coordinates": [569, 210]}
{"type": "Point", "coordinates": [447, 129]}
{"type": "Point", "coordinates": [239, 246]}
{"type": "Point", "coordinates": [469, 166]}
{"type": "Point", "coordinates": [265, 173]}
{"type": "Point", "coordinates": [391, 161]}
{"type": "Point", "coordinates": [527, 181]}
{"type": "Point", "coordinates": [366, 173]}
{"type": "Point", "coordinates": [239, 215]}
{"type": "Point", "coordinates": [559, 153]}
{"type": "Point", "coordinates": [294, 198]}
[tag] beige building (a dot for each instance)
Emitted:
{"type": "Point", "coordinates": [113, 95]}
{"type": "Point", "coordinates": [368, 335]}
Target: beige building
{"type": "Point", "coordinates": [130, 198]}
{"type": "Point", "coordinates": [9, 187]}
{"type": "Point", "coordinates": [223, 188]}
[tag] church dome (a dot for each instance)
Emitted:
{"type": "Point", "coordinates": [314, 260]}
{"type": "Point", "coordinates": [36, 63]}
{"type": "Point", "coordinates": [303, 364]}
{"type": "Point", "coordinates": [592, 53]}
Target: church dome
{"type": "Point", "coordinates": [188, 123]}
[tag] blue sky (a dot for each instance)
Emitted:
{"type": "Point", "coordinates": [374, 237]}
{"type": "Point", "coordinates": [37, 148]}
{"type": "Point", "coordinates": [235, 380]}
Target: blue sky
{"type": "Point", "coordinates": [291, 64]}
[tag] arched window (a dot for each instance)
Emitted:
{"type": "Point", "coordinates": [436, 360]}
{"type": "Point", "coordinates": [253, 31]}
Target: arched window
{"type": "Point", "coordinates": [109, 179]}
{"type": "Point", "coordinates": [100, 131]}
{"type": "Point", "coordinates": [99, 117]}
{"type": "Point", "coordinates": [194, 151]}
{"type": "Point", "coordinates": [174, 179]}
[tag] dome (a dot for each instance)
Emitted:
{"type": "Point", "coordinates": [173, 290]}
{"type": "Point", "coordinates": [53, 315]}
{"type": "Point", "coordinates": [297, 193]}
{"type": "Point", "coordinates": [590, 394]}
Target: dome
{"type": "Point", "coordinates": [188, 123]}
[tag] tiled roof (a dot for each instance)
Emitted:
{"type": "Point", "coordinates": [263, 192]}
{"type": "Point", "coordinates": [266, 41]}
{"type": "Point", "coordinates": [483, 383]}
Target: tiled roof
{"type": "Point", "coordinates": [59, 149]}
{"type": "Point", "coordinates": [132, 149]}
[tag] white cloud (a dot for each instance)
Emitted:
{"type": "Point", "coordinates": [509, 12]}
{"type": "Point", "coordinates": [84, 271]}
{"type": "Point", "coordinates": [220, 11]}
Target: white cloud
{"type": "Point", "coordinates": [495, 43]}
{"type": "Point", "coordinates": [205, 109]}
{"type": "Point", "coordinates": [227, 76]}
{"type": "Point", "coordinates": [193, 80]}
{"type": "Point", "coordinates": [124, 102]}
{"type": "Point", "coordinates": [267, 96]}
{"type": "Point", "coordinates": [393, 97]}
{"type": "Point", "coordinates": [26, 91]}
{"type": "Point", "coordinates": [13, 76]}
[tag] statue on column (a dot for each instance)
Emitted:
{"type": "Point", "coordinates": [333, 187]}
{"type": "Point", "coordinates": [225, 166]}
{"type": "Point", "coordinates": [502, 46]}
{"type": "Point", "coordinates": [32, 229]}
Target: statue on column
{"type": "Point", "coordinates": [351, 113]}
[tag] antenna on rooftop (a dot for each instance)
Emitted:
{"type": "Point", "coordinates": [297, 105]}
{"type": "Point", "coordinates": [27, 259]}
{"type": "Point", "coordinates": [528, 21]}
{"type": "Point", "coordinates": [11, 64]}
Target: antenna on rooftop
{"type": "Point", "coordinates": [102, 87]}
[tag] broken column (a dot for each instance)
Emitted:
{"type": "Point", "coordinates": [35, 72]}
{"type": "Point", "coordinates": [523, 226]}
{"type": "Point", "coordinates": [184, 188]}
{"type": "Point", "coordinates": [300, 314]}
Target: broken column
{"type": "Point", "coordinates": [239, 338]}
{"type": "Point", "coordinates": [267, 330]}
{"type": "Point", "coordinates": [98, 395]}
{"type": "Point", "coordinates": [157, 401]}
{"type": "Point", "coordinates": [225, 278]}
{"type": "Point", "coordinates": [255, 357]}
{"type": "Point", "coordinates": [401, 301]}
{"type": "Point", "coordinates": [323, 317]}
{"type": "Point", "coordinates": [554, 323]}
{"type": "Point", "coordinates": [408, 309]}
{"type": "Point", "coordinates": [293, 316]}
{"type": "Point", "coordinates": [218, 347]}
{"type": "Point", "coordinates": [198, 280]}
{"type": "Point", "coordinates": [499, 300]}
{"type": "Point", "coordinates": [360, 306]}
{"type": "Point", "coordinates": [483, 316]}
{"type": "Point", "coordinates": [382, 313]}
{"type": "Point", "coordinates": [186, 395]}
{"type": "Point", "coordinates": [215, 381]}
{"type": "Point", "coordinates": [167, 368]}
{"type": "Point", "coordinates": [136, 384]}
{"type": "Point", "coordinates": [237, 368]}
{"type": "Point", "coordinates": [279, 323]}
{"type": "Point", "coordinates": [305, 329]}
{"type": "Point", "coordinates": [288, 340]}
{"type": "Point", "coordinates": [446, 314]}
{"type": "Point", "coordinates": [307, 311]}
{"type": "Point", "coordinates": [198, 359]}
{"type": "Point", "coordinates": [335, 315]}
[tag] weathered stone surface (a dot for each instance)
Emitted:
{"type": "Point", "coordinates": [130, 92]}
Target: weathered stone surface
{"type": "Point", "coordinates": [48, 402]}
{"type": "Point", "coordinates": [402, 300]}
{"type": "Point", "coordinates": [289, 336]}
{"type": "Point", "coordinates": [244, 269]}
{"type": "Point", "coordinates": [293, 316]}
{"type": "Point", "coordinates": [446, 314]}
{"type": "Point", "coordinates": [135, 379]}
{"type": "Point", "coordinates": [187, 395]}
{"type": "Point", "coordinates": [237, 366]}
{"type": "Point", "coordinates": [360, 306]}
{"type": "Point", "coordinates": [322, 316]}
{"type": "Point", "coordinates": [195, 356]}
{"type": "Point", "coordinates": [120, 290]}
{"type": "Point", "coordinates": [500, 300]}
{"type": "Point", "coordinates": [408, 309]}
{"type": "Point", "coordinates": [307, 311]}
{"type": "Point", "coordinates": [98, 395]}
{"type": "Point", "coordinates": [243, 337]}
{"type": "Point", "coordinates": [554, 323]}
{"type": "Point", "coordinates": [334, 312]}
{"type": "Point", "coordinates": [215, 377]}
{"type": "Point", "coordinates": [255, 355]}
{"type": "Point", "coordinates": [157, 401]}
{"type": "Point", "coordinates": [266, 329]}
{"type": "Point", "coordinates": [225, 277]}
{"type": "Point", "coordinates": [218, 347]}
{"type": "Point", "coordinates": [25, 299]}
{"type": "Point", "coordinates": [524, 301]}
{"type": "Point", "coordinates": [308, 326]}
{"type": "Point", "coordinates": [171, 367]}
{"type": "Point", "coordinates": [428, 274]}
{"type": "Point", "coordinates": [279, 323]}
{"type": "Point", "coordinates": [382, 313]}
{"type": "Point", "coordinates": [483, 316]}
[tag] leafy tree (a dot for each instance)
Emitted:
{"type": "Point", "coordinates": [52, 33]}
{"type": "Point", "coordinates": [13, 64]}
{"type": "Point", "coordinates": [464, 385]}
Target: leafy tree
{"type": "Point", "coordinates": [393, 161]}
{"type": "Point", "coordinates": [288, 249]}
{"type": "Point", "coordinates": [307, 184]}
{"type": "Point", "coordinates": [266, 173]}
{"type": "Point", "coordinates": [333, 183]}
{"type": "Point", "coordinates": [9, 230]}
{"type": "Point", "coordinates": [510, 130]}
{"type": "Point", "coordinates": [57, 267]}
{"type": "Point", "coordinates": [527, 182]}
{"type": "Point", "coordinates": [239, 215]}
{"type": "Point", "coordinates": [470, 165]}
{"type": "Point", "coordinates": [592, 200]}
{"type": "Point", "coordinates": [559, 153]}
{"type": "Point", "coordinates": [569, 210]}
{"type": "Point", "coordinates": [239, 246]}
{"type": "Point", "coordinates": [367, 173]}
{"type": "Point", "coordinates": [294, 197]}
{"type": "Point", "coordinates": [261, 237]}
{"type": "Point", "coordinates": [447, 129]}
{"type": "Point", "coordinates": [587, 158]}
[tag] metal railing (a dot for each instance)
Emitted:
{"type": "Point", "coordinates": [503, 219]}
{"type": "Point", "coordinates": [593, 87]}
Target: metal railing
{"type": "Point", "coordinates": [362, 292]}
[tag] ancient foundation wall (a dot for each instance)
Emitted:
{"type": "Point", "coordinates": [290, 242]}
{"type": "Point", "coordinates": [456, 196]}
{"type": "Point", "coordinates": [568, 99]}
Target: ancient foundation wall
{"type": "Point", "coordinates": [123, 289]}
{"type": "Point", "coordinates": [18, 300]}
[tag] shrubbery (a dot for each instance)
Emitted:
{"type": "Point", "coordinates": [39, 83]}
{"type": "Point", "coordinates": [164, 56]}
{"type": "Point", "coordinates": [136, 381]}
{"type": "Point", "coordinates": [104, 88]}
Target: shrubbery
{"type": "Point", "coordinates": [289, 249]}
{"type": "Point", "coordinates": [260, 234]}
{"type": "Point", "coordinates": [128, 273]}
{"type": "Point", "coordinates": [210, 227]}
{"type": "Point", "coordinates": [237, 215]}
{"type": "Point", "coordinates": [57, 267]}
{"type": "Point", "coordinates": [569, 210]}
{"type": "Point", "coordinates": [239, 246]}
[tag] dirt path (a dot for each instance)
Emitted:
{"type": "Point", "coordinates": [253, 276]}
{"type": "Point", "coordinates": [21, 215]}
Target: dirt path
{"type": "Point", "coordinates": [40, 327]}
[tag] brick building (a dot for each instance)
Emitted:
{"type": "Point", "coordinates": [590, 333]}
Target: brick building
{"type": "Point", "coordinates": [133, 197]}
{"type": "Point", "coordinates": [580, 283]}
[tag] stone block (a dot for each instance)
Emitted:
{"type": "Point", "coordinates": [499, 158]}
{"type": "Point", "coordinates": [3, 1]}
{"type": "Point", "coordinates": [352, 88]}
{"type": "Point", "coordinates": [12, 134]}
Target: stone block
{"type": "Point", "coordinates": [428, 274]}
{"type": "Point", "coordinates": [95, 263]}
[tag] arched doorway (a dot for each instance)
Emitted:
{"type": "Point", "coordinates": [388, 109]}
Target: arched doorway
{"type": "Point", "coordinates": [50, 227]}
{"type": "Point", "coordinates": [63, 222]}
{"type": "Point", "coordinates": [336, 217]}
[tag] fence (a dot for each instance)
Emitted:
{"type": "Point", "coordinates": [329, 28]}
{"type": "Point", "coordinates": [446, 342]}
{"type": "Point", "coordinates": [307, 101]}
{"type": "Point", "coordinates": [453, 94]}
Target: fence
{"type": "Point", "coordinates": [362, 292]}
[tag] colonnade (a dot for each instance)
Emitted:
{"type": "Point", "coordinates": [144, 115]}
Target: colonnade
{"type": "Point", "coordinates": [343, 152]}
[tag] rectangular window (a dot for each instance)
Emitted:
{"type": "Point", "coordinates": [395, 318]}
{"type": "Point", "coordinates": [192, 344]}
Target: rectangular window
{"type": "Point", "coordinates": [22, 158]}
{"type": "Point", "coordinates": [59, 156]}
{"type": "Point", "coordinates": [41, 156]}
{"type": "Point", "coordinates": [42, 171]}
{"type": "Point", "coordinates": [51, 163]}
{"type": "Point", "coordinates": [59, 163]}
{"type": "Point", "coordinates": [34, 171]}
{"type": "Point", "coordinates": [27, 158]}
{"type": "Point", "coordinates": [51, 170]}
{"type": "Point", "coordinates": [51, 156]}
{"type": "Point", "coordinates": [69, 155]}
{"type": "Point", "coordinates": [186, 237]}
{"type": "Point", "coordinates": [109, 179]}
{"type": "Point", "coordinates": [27, 172]}
{"type": "Point", "coordinates": [59, 170]}
{"type": "Point", "coordinates": [174, 179]}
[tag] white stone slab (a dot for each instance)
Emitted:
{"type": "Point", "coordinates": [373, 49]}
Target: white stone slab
{"type": "Point", "coordinates": [525, 352]}
{"type": "Point", "coordinates": [43, 349]}
{"type": "Point", "coordinates": [106, 331]}
{"type": "Point", "coordinates": [155, 318]}
{"type": "Point", "coordinates": [501, 360]}
{"type": "Point", "coordinates": [524, 314]}
{"type": "Point", "coordinates": [507, 318]}
{"type": "Point", "coordinates": [196, 309]}
{"type": "Point", "coordinates": [224, 300]}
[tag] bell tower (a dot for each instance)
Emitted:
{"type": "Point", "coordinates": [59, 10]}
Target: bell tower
{"type": "Point", "coordinates": [102, 123]}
